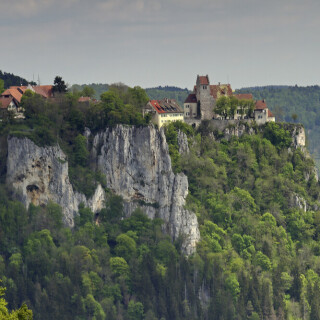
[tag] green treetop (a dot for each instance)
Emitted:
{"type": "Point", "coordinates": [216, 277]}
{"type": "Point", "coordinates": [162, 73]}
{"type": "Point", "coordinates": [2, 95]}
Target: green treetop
{"type": "Point", "coordinates": [21, 314]}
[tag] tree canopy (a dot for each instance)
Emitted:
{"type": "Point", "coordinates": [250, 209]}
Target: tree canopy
{"type": "Point", "coordinates": [228, 106]}
{"type": "Point", "coordinates": [59, 86]}
{"type": "Point", "coordinates": [294, 104]}
{"type": "Point", "coordinates": [257, 203]}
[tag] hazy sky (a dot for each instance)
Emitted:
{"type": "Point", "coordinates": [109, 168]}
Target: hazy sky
{"type": "Point", "coordinates": [162, 42]}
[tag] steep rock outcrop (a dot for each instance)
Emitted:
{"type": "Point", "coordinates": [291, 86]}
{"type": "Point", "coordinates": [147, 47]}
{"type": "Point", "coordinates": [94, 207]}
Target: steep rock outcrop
{"type": "Point", "coordinates": [183, 143]}
{"type": "Point", "coordinates": [40, 175]}
{"type": "Point", "coordinates": [296, 201]}
{"type": "Point", "coordinates": [137, 166]}
{"type": "Point", "coordinates": [298, 136]}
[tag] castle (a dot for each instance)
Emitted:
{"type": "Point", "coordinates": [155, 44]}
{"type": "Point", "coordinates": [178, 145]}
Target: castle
{"type": "Point", "coordinates": [201, 104]}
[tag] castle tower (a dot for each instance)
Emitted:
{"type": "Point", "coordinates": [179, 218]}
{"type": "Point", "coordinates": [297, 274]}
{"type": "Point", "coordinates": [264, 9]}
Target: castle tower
{"type": "Point", "coordinates": [204, 98]}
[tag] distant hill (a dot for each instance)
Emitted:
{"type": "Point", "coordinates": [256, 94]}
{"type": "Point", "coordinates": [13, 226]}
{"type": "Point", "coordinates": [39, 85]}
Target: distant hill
{"type": "Point", "coordinates": [170, 92]}
{"type": "Point", "coordinates": [12, 80]}
{"type": "Point", "coordinates": [290, 102]}
{"type": "Point", "coordinates": [155, 93]}
{"type": "Point", "coordinates": [99, 88]}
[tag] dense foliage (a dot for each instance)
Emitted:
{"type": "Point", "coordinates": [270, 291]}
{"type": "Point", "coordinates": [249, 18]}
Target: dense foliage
{"type": "Point", "coordinates": [156, 93]}
{"type": "Point", "coordinates": [23, 313]}
{"type": "Point", "coordinates": [1, 86]}
{"type": "Point", "coordinates": [257, 203]}
{"type": "Point", "coordinates": [10, 79]}
{"type": "Point", "coordinates": [105, 268]}
{"type": "Point", "coordinates": [294, 104]}
{"type": "Point", "coordinates": [98, 88]}
{"type": "Point", "coordinates": [227, 107]}
{"type": "Point", "coordinates": [59, 86]}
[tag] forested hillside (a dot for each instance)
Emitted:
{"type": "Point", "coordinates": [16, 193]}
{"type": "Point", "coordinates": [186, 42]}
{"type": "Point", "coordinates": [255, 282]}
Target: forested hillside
{"type": "Point", "coordinates": [257, 202]}
{"type": "Point", "coordinates": [294, 104]}
{"type": "Point", "coordinates": [168, 92]}
{"type": "Point", "coordinates": [156, 93]}
{"type": "Point", "coordinates": [10, 79]}
{"type": "Point", "coordinates": [98, 88]}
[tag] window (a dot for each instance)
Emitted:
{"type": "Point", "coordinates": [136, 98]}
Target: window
{"type": "Point", "coordinates": [204, 87]}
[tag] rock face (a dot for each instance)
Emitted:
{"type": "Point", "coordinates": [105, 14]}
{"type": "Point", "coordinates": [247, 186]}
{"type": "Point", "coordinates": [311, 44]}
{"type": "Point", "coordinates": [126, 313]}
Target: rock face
{"type": "Point", "coordinates": [40, 175]}
{"type": "Point", "coordinates": [183, 143]}
{"type": "Point", "coordinates": [296, 201]}
{"type": "Point", "coordinates": [137, 166]}
{"type": "Point", "coordinates": [299, 137]}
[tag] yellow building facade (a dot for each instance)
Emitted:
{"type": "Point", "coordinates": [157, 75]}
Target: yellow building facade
{"type": "Point", "coordinates": [164, 111]}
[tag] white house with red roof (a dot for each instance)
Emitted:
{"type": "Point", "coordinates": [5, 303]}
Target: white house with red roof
{"type": "Point", "coordinates": [262, 114]}
{"type": "Point", "coordinates": [10, 104]}
{"type": "Point", "coordinates": [163, 111]}
{"type": "Point", "coordinates": [10, 99]}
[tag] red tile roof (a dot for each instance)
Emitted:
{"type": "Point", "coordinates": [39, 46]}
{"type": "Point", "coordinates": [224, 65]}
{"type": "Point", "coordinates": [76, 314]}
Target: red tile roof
{"type": "Point", "coordinates": [45, 91]}
{"type": "Point", "coordinates": [84, 99]}
{"type": "Point", "coordinates": [17, 92]}
{"type": "Point", "coordinates": [13, 92]}
{"type": "Point", "coordinates": [217, 90]}
{"type": "Point", "coordinates": [204, 80]}
{"type": "Point", "coordinates": [270, 114]}
{"type": "Point", "coordinates": [191, 98]}
{"type": "Point", "coordinates": [261, 104]}
{"type": "Point", "coordinates": [165, 106]}
{"type": "Point", "coordinates": [4, 102]}
{"type": "Point", "coordinates": [244, 96]}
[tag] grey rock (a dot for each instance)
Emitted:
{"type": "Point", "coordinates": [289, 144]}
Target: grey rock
{"type": "Point", "coordinates": [183, 143]}
{"type": "Point", "coordinates": [298, 137]}
{"type": "Point", "coordinates": [296, 201]}
{"type": "Point", "coordinates": [40, 175]}
{"type": "Point", "coordinates": [137, 166]}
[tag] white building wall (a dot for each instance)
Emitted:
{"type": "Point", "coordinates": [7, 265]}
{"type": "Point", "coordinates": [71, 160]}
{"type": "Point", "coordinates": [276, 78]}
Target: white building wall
{"type": "Point", "coordinates": [190, 110]}
{"type": "Point", "coordinates": [261, 116]}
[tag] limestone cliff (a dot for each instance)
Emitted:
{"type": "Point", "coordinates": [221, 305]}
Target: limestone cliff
{"type": "Point", "coordinates": [136, 164]}
{"type": "Point", "coordinates": [40, 175]}
{"type": "Point", "coordinates": [237, 128]}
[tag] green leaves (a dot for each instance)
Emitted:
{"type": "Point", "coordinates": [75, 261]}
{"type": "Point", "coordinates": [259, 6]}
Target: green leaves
{"type": "Point", "coordinates": [59, 86]}
{"type": "Point", "coordinates": [81, 153]}
{"type": "Point", "coordinates": [262, 261]}
{"type": "Point", "coordinates": [1, 86]}
{"type": "Point", "coordinates": [228, 106]}
{"type": "Point", "coordinates": [119, 267]}
{"type": "Point", "coordinates": [279, 136]}
{"type": "Point", "coordinates": [135, 310]}
{"type": "Point", "coordinates": [126, 246]}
